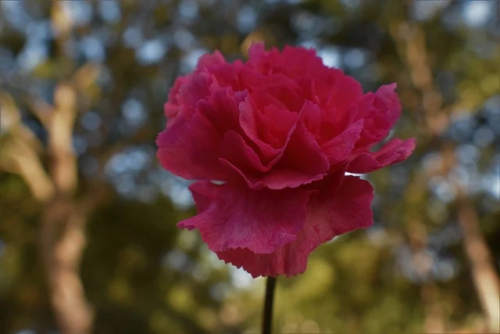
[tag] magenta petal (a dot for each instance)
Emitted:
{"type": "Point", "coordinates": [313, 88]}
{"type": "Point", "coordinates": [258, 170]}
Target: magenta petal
{"type": "Point", "coordinates": [327, 216]}
{"type": "Point", "coordinates": [238, 153]}
{"type": "Point", "coordinates": [293, 60]}
{"type": "Point", "coordinates": [302, 162]}
{"type": "Point", "coordinates": [238, 217]}
{"type": "Point", "coordinates": [210, 60]}
{"type": "Point", "coordinates": [279, 124]}
{"type": "Point", "coordinates": [380, 111]}
{"type": "Point", "coordinates": [189, 148]}
{"type": "Point", "coordinates": [256, 51]}
{"type": "Point", "coordinates": [222, 109]}
{"type": "Point", "coordinates": [226, 75]}
{"type": "Point", "coordinates": [283, 89]}
{"type": "Point", "coordinates": [277, 263]}
{"type": "Point", "coordinates": [204, 193]}
{"type": "Point", "coordinates": [251, 121]}
{"type": "Point", "coordinates": [195, 89]}
{"type": "Point", "coordinates": [311, 115]}
{"type": "Point", "coordinates": [336, 92]}
{"type": "Point", "coordinates": [339, 148]}
{"type": "Point", "coordinates": [171, 108]}
{"type": "Point", "coordinates": [344, 211]}
{"type": "Point", "coordinates": [394, 151]}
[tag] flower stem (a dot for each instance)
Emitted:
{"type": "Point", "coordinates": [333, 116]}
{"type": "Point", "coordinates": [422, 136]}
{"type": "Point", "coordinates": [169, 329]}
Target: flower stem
{"type": "Point", "coordinates": [267, 319]}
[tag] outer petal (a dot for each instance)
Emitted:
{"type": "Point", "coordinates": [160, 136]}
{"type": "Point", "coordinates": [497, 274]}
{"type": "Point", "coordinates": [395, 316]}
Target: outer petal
{"type": "Point", "coordinates": [195, 89]}
{"type": "Point", "coordinates": [339, 148]}
{"type": "Point", "coordinates": [327, 216]}
{"type": "Point", "coordinates": [210, 60]}
{"type": "Point", "coordinates": [337, 94]}
{"type": "Point", "coordinates": [171, 108]}
{"type": "Point", "coordinates": [294, 62]}
{"type": "Point", "coordinates": [256, 52]}
{"type": "Point", "coordinates": [394, 151]}
{"type": "Point", "coordinates": [335, 91]}
{"type": "Point", "coordinates": [260, 59]}
{"type": "Point", "coordinates": [238, 217]}
{"type": "Point", "coordinates": [380, 112]}
{"type": "Point", "coordinates": [204, 194]}
{"type": "Point", "coordinates": [299, 61]}
{"type": "Point", "coordinates": [224, 73]}
{"type": "Point", "coordinates": [221, 109]}
{"type": "Point", "coordinates": [189, 148]}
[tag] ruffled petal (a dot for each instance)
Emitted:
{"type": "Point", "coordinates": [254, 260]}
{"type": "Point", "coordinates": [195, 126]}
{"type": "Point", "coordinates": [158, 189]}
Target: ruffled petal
{"type": "Point", "coordinates": [328, 215]}
{"type": "Point", "coordinates": [278, 125]}
{"type": "Point", "coordinates": [283, 89]}
{"type": "Point", "coordinates": [335, 91]}
{"type": "Point", "coordinates": [312, 116]}
{"type": "Point", "coordinates": [204, 194]}
{"type": "Point", "coordinates": [261, 60]}
{"type": "Point", "coordinates": [256, 52]}
{"type": "Point", "coordinates": [238, 217]}
{"type": "Point", "coordinates": [222, 109]}
{"type": "Point", "coordinates": [302, 162]}
{"type": "Point", "coordinates": [394, 151]}
{"type": "Point", "coordinates": [336, 94]}
{"type": "Point", "coordinates": [210, 60]}
{"type": "Point", "coordinates": [189, 148]}
{"type": "Point", "coordinates": [223, 73]}
{"type": "Point", "coordinates": [380, 111]}
{"type": "Point", "coordinates": [251, 120]}
{"type": "Point", "coordinates": [295, 58]}
{"type": "Point", "coordinates": [291, 62]}
{"type": "Point", "coordinates": [227, 75]}
{"type": "Point", "coordinates": [171, 108]}
{"type": "Point", "coordinates": [339, 148]}
{"type": "Point", "coordinates": [238, 153]}
{"type": "Point", "coordinates": [195, 89]}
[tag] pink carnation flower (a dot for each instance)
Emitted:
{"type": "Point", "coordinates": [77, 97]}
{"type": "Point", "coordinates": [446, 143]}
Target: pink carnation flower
{"type": "Point", "coordinates": [280, 131]}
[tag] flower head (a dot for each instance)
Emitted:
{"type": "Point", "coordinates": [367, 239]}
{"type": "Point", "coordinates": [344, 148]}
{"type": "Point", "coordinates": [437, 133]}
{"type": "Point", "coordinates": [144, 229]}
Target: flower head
{"type": "Point", "coordinates": [280, 131]}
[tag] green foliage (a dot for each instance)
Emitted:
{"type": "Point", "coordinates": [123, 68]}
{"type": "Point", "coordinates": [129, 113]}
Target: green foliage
{"type": "Point", "coordinates": [141, 274]}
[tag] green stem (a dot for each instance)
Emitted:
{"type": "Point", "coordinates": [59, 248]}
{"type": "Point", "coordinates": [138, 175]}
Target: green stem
{"type": "Point", "coordinates": [267, 319]}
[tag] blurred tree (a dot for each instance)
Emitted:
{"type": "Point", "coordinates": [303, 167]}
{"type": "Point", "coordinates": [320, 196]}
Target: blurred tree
{"type": "Point", "coordinates": [87, 232]}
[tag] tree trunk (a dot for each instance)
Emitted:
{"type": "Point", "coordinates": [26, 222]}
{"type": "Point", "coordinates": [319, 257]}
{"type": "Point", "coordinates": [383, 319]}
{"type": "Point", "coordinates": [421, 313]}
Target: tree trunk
{"type": "Point", "coordinates": [483, 271]}
{"type": "Point", "coordinates": [423, 263]}
{"type": "Point", "coordinates": [62, 243]}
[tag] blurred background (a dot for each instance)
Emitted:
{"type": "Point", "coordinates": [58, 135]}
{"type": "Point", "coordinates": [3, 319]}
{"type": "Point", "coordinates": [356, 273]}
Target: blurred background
{"type": "Point", "coordinates": [88, 242]}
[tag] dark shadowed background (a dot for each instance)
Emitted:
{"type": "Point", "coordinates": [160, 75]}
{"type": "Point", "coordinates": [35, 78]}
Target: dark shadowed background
{"type": "Point", "coordinates": [87, 216]}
